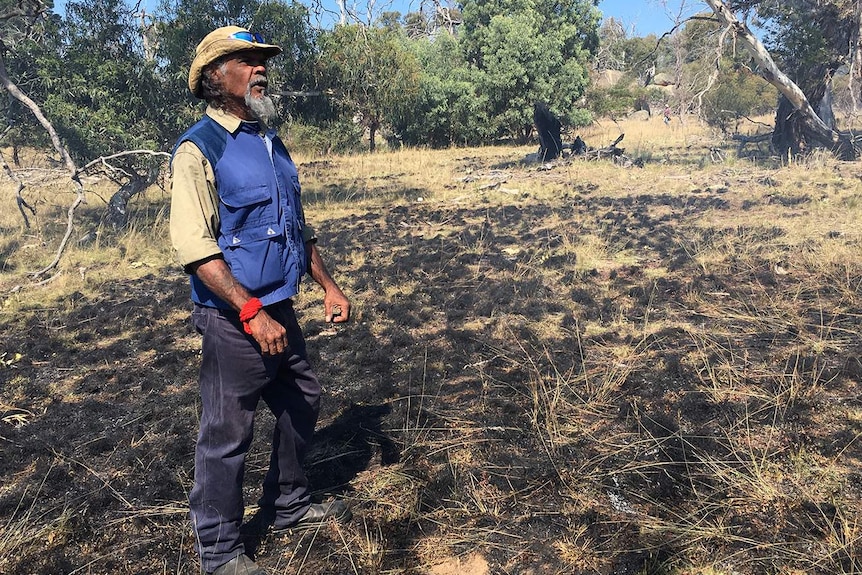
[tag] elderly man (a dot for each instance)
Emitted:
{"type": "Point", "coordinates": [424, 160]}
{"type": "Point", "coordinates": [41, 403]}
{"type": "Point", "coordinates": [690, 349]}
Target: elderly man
{"type": "Point", "coordinates": [238, 227]}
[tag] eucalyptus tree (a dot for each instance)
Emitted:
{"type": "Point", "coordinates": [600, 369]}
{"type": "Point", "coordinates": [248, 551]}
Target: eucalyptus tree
{"type": "Point", "coordinates": [72, 83]}
{"type": "Point", "coordinates": [528, 51]}
{"type": "Point", "coordinates": [104, 96]}
{"type": "Point", "coordinates": [369, 74]}
{"type": "Point", "coordinates": [811, 41]}
{"type": "Point", "coordinates": [102, 92]}
{"type": "Point", "coordinates": [26, 32]}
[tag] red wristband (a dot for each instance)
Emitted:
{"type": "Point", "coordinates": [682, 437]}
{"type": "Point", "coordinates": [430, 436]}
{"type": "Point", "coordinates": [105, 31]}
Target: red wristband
{"type": "Point", "coordinates": [248, 312]}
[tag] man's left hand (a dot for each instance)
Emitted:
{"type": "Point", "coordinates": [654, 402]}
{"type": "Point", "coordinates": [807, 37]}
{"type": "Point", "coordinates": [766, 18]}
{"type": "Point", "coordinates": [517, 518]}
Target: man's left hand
{"type": "Point", "coordinates": [336, 306]}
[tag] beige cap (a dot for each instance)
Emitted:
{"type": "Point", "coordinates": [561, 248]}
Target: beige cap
{"type": "Point", "coordinates": [223, 41]}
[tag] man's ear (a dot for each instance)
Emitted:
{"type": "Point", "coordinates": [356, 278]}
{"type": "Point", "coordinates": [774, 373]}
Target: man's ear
{"type": "Point", "coordinates": [215, 74]}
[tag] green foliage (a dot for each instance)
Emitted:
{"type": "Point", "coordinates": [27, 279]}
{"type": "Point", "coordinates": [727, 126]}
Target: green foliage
{"type": "Point", "coordinates": [738, 94]}
{"type": "Point", "coordinates": [526, 51]}
{"type": "Point", "coordinates": [372, 76]}
{"type": "Point", "coordinates": [804, 36]}
{"type": "Point", "coordinates": [339, 136]}
{"type": "Point", "coordinates": [448, 109]}
{"type": "Point", "coordinates": [181, 24]}
{"type": "Point", "coordinates": [811, 41]}
{"type": "Point", "coordinates": [612, 102]}
{"type": "Point", "coordinates": [96, 87]}
{"type": "Point", "coordinates": [29, 44]}
{"type": "Point", "coordinates": [620, 100]}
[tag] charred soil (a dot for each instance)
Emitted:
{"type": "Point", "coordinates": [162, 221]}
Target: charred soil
{"type": "Point", "coordinates": [594, 380]}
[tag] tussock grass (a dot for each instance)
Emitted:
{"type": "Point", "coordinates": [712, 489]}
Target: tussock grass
{"type": "Point", "coordinates": [575, 368]}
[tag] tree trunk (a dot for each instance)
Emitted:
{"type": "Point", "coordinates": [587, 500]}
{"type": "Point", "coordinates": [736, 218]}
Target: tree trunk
{"type": "Point", "coordinates": [793, 134]}
{"type": "Point", "coordinates": [117, 213]}
{"type": "Point", "coordinates": [548, 128]}
{"type": "Point", "coordinates": [801, 127]}
{"type": "Point", "coordinates": [855, 74]}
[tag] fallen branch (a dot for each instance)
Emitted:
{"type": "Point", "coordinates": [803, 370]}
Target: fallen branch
{"type": "Point", "coordinates": [19, 197]}
{"type": "Point", "coordinates": [103, 160]}
{"type": "Point", "coordinates": [599, 153]}
{"type": "Point", "coordinates": [745, 140]}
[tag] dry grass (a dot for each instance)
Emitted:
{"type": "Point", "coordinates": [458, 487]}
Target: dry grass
{"type": "Point", "coordinates": [575, 368]}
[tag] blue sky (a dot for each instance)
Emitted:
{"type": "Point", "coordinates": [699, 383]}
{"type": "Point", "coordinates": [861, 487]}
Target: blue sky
{"type": "Point", "coordinates": [640, 17]}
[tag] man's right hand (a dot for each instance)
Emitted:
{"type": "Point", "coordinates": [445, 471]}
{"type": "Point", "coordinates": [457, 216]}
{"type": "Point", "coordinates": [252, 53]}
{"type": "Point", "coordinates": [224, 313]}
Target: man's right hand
{"type": "Point", "coordinates": [269, 334]}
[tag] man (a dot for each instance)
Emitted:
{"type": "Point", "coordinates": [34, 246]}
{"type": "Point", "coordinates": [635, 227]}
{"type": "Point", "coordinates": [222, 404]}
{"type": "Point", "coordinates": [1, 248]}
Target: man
{"type": "Point", "coordinates": [238, 228]}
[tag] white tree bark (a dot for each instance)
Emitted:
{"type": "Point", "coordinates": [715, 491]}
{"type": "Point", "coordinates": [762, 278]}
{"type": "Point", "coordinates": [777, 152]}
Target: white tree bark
{"type": "Point", "coordinates": [772, 74]}
{"type": "Point", "coordinates": [855, 75]}
{"type": "Point", "coordinates": [14, 91]}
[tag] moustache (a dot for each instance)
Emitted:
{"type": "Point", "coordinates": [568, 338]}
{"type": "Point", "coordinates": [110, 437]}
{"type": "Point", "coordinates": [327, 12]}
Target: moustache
{"type": "Point", "coordinates": [258, 81]}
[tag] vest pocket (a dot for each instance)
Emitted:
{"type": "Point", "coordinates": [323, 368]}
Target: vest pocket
{"type": "Point", "coordinates": [246, 206]}
{"type": "Point", "coordinates": [255, 257]}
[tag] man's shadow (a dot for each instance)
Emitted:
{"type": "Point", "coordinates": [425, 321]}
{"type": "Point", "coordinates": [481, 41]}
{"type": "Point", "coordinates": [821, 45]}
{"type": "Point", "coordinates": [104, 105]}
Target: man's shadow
{"type": "Point", "coordinates": [350, 444]}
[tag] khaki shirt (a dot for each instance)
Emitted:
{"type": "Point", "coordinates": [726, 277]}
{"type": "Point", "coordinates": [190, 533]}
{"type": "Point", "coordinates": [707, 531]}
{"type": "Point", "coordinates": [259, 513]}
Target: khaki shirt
{"type": "Point", "coordinates": [194, 224]}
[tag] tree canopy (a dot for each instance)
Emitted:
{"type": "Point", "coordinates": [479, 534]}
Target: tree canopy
{"type": "Point", "coordinates": [369, 73]}
{"type": "Point", "coordinates": [528, 51]}
{"type": "Point", "coordinates": [112, 77]}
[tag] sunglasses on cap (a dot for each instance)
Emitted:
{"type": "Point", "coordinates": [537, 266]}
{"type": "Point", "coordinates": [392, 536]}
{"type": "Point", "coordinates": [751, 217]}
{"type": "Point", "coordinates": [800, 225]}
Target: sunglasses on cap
{"type": "Point", "coordinates": [252, 37]}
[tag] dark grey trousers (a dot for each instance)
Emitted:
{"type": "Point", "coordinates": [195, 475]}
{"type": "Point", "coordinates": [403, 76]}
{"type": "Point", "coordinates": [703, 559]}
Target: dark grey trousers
{"type": "Point", "coordinates": [234, 376]}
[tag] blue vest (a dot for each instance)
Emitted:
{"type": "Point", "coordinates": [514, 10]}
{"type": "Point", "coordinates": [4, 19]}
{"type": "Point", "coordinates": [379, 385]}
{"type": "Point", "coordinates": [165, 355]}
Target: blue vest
{"type": "Point", "coordinates": [261, 219]}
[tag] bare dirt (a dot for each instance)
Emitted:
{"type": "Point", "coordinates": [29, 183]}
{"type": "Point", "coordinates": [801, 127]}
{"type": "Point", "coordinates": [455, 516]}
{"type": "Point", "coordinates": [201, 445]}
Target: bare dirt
{"type": "Point", "coordinates": [496, 406]}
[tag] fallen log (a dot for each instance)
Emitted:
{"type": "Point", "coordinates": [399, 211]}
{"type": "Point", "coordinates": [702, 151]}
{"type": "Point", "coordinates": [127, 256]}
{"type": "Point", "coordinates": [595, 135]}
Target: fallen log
{"type": "Point", "coordinates": [607, 151]}
{"type": "Point", "coordinates": [745, 140]}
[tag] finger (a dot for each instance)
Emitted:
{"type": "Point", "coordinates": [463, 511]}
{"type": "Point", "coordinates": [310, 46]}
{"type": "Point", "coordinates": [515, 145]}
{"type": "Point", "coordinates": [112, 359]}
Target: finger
{"type": "Point", "coordinates": [334, 314]}
{"type": "Point", "coordinates": [343, 314]}
{"type": "Point", "coordinates": [341, 318]}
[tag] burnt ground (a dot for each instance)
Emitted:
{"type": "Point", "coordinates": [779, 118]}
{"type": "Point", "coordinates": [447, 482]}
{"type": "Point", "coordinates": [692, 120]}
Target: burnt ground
{"type": "Point", "coordinates": [495, 399]}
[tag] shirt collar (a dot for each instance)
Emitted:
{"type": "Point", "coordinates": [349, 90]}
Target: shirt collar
{"type": "Point", "coordinates": [228, 121]}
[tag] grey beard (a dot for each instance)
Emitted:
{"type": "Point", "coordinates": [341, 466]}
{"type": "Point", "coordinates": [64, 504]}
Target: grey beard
{"type": "Point", "coordinates": [263, 108]}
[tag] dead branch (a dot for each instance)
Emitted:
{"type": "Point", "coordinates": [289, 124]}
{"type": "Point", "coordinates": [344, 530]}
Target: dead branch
{"type": "Point", "coordinates": [135, 183]}
{"type": "Point", "coordinates": [19, 197]}
{"type": "Point", "coordinates": [713, 76]}
{"type": "Point", "coordinates": [16, 93]}
{"type": "Point", "coordinates": [617, 155]}
{"type": "Point", "coordinates": [608, 151]}
{"type": "Point", "coordinates": [103, 160]}
{"type": "Point", "coordinates": [745, 140]}
{"type": "Point", "coordinates": [670, 33]}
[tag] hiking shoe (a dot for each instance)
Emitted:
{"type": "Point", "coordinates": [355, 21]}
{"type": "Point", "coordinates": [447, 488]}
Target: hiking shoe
{"type": "Point", "coordinates": [239, 565]}
{"type": "Point", "coordinates": [319, 514]}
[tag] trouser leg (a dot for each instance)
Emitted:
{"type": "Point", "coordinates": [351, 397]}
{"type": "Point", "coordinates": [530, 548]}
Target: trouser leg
{"type": "Point", "coordinates": [294, 399]}
{"type": "Point", "coordinates": [233, 375]}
